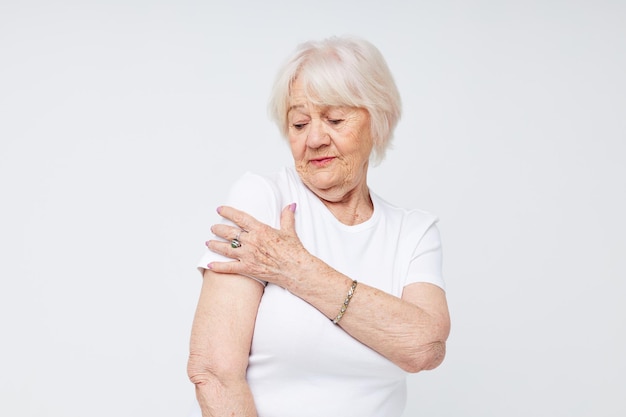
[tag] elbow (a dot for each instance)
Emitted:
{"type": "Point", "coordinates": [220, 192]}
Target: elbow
{"type": "Point", "coordinates": [425, 358]}
{"type": "Point", "coordinates": [199, 369]}
{"type": "Point", "coordinates": [202, 369]}
{"type": "Point", "coordinates": [428, 356]}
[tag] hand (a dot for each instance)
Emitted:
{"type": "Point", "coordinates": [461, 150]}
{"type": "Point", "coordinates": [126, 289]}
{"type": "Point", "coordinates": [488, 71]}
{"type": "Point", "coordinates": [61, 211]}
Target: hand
{"type": "Point", "coordinates": [265, 253]}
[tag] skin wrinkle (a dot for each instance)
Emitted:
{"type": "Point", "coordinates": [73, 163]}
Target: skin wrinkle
{"type": "Point", "coordinates": [217, 365]}
{"type": "Point", "coordinates": [319, 283]}
{"type": "Point", "coordinates": [211, 395]}
{"type": "Point", "coordinates": [313, 283]}
{"type": "Point", "coordinates": [418, 347]}
{"type": "Point", "coordinates": [342, 133]}
{"type": "Point", "coordinates": [331, 147]}
{"type": "Point", "coordinates": [201, 370]}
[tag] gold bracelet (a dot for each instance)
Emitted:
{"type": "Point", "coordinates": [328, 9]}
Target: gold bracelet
{"type": "Point", "coordinates": [344, 306]}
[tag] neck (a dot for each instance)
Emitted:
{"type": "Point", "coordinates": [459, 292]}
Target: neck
{"type": "Point", "coordinates": [354, 208]}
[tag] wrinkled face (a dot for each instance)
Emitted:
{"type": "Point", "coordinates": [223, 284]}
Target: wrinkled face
{"type": "Point", "coordinates": [330, 146]}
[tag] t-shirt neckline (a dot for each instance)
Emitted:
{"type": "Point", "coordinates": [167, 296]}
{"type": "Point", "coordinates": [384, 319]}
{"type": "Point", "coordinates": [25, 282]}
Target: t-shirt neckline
{"type": "Point", "coordinates": [316, 201]}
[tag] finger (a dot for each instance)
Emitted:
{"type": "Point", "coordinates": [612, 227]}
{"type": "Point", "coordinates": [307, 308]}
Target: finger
{"type": "Point", "coordinates": [240, 218]}
{"type": "Point", "coordinates": [225, 248]}
{"type": "Point", "coordinates": [225, 267]}
{"type": "Point", "coordinates": [226, 232]}
{"type": "Point", "coordinates": [288, 219]}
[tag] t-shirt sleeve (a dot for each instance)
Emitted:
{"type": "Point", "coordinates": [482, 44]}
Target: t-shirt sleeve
{"type": "Point", "coordinates": [254, 195]}
{"type": "Point", "coordinates": [426, 262]}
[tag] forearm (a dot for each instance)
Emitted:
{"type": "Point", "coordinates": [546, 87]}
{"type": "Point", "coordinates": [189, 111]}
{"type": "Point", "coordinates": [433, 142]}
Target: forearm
{"type": "Point", "coordinates": [409, 335]}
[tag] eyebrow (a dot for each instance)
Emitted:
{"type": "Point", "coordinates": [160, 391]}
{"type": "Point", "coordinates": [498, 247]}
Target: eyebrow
{"type": "Point", "coordinates": [325, 108]}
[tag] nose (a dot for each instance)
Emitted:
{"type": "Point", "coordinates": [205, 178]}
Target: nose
{"type": "Point", "coordinates": [317, 136]}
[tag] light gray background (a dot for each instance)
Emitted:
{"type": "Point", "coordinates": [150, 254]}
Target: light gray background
{"type": "Point", "coordinates": [122, 123]}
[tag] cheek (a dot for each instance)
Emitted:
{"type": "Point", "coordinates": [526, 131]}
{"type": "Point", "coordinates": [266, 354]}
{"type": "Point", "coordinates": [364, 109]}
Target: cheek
{"type": "Point", "coordinates": [360, 145]}
{"type": "Point", "coordinates": [297, 146]}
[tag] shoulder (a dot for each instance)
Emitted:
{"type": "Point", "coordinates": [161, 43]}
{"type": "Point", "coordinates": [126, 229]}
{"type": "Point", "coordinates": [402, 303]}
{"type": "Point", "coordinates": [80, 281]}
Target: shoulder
{"type": "Point", "coordinates": [255, 185]}
{"type": "Point", "coordinates": [261, 195]}
{"type": "Point", "coordinates": [418, 244]}
{"type": "Point", "coordinates": [411, 220]}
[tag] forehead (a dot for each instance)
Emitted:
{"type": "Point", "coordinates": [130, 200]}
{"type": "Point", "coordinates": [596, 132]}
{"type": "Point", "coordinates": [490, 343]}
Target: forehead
{"type": "Point", "coordinates": [316, 93]}
{"type": "Point", "coordinates": [304, 106]}
{"type": "Point", "coordinates": [298, 93]}
{"type": "Point", "coordinates": [301, 98]}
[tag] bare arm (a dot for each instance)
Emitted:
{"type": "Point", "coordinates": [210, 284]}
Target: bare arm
{"type": "Point", "coordinates": [220, 344]}
{"type": "Point", "coordinates": [411, 331]}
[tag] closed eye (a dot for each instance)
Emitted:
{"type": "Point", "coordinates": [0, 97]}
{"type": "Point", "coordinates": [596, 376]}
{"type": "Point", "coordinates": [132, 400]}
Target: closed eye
{"type": "Point", "coordinates": [335, 121]}
{"type": "Point", "coordinates": [299, 126]}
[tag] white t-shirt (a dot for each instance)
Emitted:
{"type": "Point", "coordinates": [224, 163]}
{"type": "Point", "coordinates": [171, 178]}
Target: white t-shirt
{"type": "Point", "coordinates": [301, 364]}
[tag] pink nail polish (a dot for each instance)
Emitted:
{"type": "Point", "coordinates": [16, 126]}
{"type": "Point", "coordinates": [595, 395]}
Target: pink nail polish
{"type": "Point", "coordinates": [206, 243]}
{"type": "Point", "coordinates": [292, 207]}
{"type": "Point", "coordinates": [218, 209]}
{"type": "Point", "coordinates": [209, 266]}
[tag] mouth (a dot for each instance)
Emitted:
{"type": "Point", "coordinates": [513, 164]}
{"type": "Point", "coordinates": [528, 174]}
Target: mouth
{"type": "Point", "coordinates": [322, 161]}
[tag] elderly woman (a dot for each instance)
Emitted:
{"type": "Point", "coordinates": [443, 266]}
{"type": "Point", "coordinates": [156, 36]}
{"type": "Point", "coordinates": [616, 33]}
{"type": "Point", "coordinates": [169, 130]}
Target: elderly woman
{"type": "Point", "coordinates": [318, 296]}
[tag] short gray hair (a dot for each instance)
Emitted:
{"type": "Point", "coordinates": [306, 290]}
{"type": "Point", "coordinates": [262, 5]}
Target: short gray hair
{"type": "Point", "coordinates": [341, 71]}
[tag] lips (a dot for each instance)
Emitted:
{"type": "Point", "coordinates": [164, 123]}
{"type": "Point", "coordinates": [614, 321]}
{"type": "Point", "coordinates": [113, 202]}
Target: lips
{"type": "Point", "coordinates": [322, 161]}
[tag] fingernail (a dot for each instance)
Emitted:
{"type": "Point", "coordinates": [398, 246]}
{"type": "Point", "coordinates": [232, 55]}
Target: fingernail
{"type": "Point", "coordinates": [206, 243]}
{"type": "Point", "coordinates": [292, 207]}
{"type": "Point", "coordinates": [219, 209]}
{"type": "Point", "coordinates": [209, 266]}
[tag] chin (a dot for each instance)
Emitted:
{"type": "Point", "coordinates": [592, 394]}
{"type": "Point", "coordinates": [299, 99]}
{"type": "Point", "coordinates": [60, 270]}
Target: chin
{"type": "Point", "coordinates": [324, 180]}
